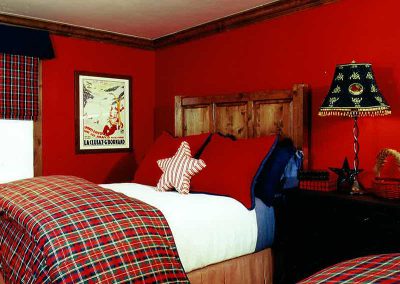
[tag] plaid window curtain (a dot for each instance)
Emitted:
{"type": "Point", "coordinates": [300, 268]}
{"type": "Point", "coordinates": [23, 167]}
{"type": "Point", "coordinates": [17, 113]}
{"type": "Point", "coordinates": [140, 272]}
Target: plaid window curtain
{"type": "Point", "coordinates": [19, 87]}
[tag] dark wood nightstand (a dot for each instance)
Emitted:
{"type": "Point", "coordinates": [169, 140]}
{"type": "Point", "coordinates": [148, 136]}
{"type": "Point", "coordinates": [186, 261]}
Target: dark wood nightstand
{"type": "Point", "coordinates": [317, 229]}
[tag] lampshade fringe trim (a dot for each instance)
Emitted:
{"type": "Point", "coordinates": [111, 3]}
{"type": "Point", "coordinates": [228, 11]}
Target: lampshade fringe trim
{"type": "Point", "coordinates": [352, 113]}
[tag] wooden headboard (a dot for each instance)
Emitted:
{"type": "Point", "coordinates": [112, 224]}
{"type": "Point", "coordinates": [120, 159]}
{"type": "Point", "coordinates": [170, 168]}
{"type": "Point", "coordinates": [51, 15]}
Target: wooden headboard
{"type": "Point", "coordinates": [248, 115]}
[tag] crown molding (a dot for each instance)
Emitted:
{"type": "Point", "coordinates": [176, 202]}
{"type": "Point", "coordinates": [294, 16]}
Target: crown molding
{"type": "Point", "coordinates": [78, 32]}
{"type": "Point", "coordinates": [258, 14]}
{"type": "Point", "coordinates": [261, 13]}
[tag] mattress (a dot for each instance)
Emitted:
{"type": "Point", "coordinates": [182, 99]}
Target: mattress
{"type": "Point", "coordinates": [207, 229]}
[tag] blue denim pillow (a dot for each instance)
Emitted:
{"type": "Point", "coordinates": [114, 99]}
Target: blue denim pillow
{"type": "Point", "coordinates": [290, 175]}
{"type": "Point", "coordinates": [267, 181]}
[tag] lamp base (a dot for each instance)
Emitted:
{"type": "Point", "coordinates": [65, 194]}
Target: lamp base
{"type": "Point", "coordinates": [356, 188]}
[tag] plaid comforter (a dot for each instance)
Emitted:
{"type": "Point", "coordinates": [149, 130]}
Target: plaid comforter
{"type": "Point", "coordinates": [63, 229]}
{"type": "Point", "coordinates": [383, 269]}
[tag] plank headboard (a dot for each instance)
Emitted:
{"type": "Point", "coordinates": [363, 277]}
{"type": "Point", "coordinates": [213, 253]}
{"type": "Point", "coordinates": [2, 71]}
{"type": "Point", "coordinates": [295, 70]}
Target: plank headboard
{"type": "Point", "coordinates": [247, 115]}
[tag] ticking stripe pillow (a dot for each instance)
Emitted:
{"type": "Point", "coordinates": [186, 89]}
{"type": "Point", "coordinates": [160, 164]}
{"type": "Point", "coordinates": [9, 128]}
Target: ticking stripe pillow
{"type": "Point", "coordinates": [179, 169]}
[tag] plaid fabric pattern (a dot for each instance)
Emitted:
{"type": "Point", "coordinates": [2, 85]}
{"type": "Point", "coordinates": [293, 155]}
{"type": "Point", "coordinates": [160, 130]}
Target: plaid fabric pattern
{"type": "Point", "coordinates": [20, 258]}
{"type": "Point", "coordinates": [63, 229]}
{"type": "Point", "coordinates": [383, 269]}
{"type": "Point", "coordinates": [19, 87]}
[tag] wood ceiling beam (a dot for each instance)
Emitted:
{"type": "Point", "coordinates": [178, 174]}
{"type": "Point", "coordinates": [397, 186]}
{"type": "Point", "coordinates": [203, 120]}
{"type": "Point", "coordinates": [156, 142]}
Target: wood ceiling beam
{"type": "Point", "coordinates": [261, 13]}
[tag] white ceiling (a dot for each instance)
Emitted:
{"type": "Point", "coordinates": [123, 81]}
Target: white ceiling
{"type": "Point", "coordinates": [141, 18]}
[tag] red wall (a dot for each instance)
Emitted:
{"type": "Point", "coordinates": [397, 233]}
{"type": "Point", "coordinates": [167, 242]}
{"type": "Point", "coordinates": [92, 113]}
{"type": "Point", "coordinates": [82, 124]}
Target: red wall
{"type": "Point", "coordinates": [300, 48]}
{"type": "Point", "coordinates": [58, 107]}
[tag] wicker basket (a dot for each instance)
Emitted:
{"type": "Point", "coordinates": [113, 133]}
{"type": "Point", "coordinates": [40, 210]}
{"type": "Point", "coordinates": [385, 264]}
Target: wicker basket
{"type": "Point", "coordinates": [386, 187]}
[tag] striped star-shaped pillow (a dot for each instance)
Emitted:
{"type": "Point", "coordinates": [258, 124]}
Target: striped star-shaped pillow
{"type": "Point", "coordinates": [179, 169]}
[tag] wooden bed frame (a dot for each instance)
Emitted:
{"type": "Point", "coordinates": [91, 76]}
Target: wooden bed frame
{"type": "Point", "coordinates": [249, 115]}
{"type": "Point", "coordinates": [246, 115]}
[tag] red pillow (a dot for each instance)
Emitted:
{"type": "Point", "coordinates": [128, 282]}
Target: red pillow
{"type": "Point", "coordinates": [164, 147]}
{"type": "Point", "coordinates": [231, 167]}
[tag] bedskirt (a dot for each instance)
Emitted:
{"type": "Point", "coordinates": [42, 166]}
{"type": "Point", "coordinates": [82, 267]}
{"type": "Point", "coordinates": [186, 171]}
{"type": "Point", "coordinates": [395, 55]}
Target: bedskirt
{"type": "Point", "coordinates": [251, 268]}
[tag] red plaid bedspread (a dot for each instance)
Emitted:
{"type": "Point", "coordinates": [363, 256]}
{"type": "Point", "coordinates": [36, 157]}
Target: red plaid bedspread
{"type": "Point", "coordinates": [63, 229]}
{"type": "Point", "coordinates": [383, 269]}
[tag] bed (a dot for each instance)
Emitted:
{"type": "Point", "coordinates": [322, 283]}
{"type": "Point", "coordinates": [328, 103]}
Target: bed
{"type": "Point", "coordinates": [244, 115]}
{"type": "Point", "coordinates": [382, 268]}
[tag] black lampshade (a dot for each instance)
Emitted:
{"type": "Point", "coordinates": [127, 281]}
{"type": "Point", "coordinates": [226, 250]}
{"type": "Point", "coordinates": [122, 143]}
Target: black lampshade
{"type": "Point", "coordinates": [354, 92]}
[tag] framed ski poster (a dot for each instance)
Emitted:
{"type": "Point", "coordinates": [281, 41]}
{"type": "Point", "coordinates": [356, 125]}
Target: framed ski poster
{"type": "Point", "coordinates": [103, 113]}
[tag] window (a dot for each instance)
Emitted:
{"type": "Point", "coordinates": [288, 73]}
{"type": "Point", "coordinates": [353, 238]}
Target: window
{"type": "Point", "coordinates": [16, 150]}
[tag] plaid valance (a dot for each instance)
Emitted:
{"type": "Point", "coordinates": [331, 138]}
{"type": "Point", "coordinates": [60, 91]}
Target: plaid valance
{"type": "Point", "coordinates": [19, 87]}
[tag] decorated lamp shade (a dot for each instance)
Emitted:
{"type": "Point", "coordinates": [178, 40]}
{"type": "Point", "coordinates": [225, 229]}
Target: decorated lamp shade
{"type": "Point", "coordinates": [354, 92]}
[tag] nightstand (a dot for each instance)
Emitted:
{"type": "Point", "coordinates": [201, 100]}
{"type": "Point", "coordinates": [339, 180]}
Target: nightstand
{"type": "Point", "coordinates": [317, 229]}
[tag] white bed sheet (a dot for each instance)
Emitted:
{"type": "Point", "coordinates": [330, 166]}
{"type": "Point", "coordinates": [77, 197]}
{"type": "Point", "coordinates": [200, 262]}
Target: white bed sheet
{"type": "Point", "coordinates": [207, 229]}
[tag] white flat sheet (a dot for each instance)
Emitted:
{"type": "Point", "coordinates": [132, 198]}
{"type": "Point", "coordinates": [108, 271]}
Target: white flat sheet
{"type": "Point", "coordinates": [207, 229]}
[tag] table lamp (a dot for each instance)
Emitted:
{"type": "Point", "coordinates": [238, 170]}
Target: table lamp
{"type": "Point", "coordinates": [354, 93]}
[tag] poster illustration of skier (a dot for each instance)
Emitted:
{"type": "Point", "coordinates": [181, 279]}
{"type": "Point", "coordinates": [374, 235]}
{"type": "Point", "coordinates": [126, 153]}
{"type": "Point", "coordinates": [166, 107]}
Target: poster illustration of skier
{"type": "Point", "coordinates": [104, 111]}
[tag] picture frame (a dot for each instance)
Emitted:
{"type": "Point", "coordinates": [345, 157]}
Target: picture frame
{"type": "Point", "coordinates": [103, 113]}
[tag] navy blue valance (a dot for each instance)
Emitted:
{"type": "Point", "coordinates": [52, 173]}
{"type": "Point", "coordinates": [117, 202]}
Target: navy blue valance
{"type": "Point", "coordinates": [25, 41]}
